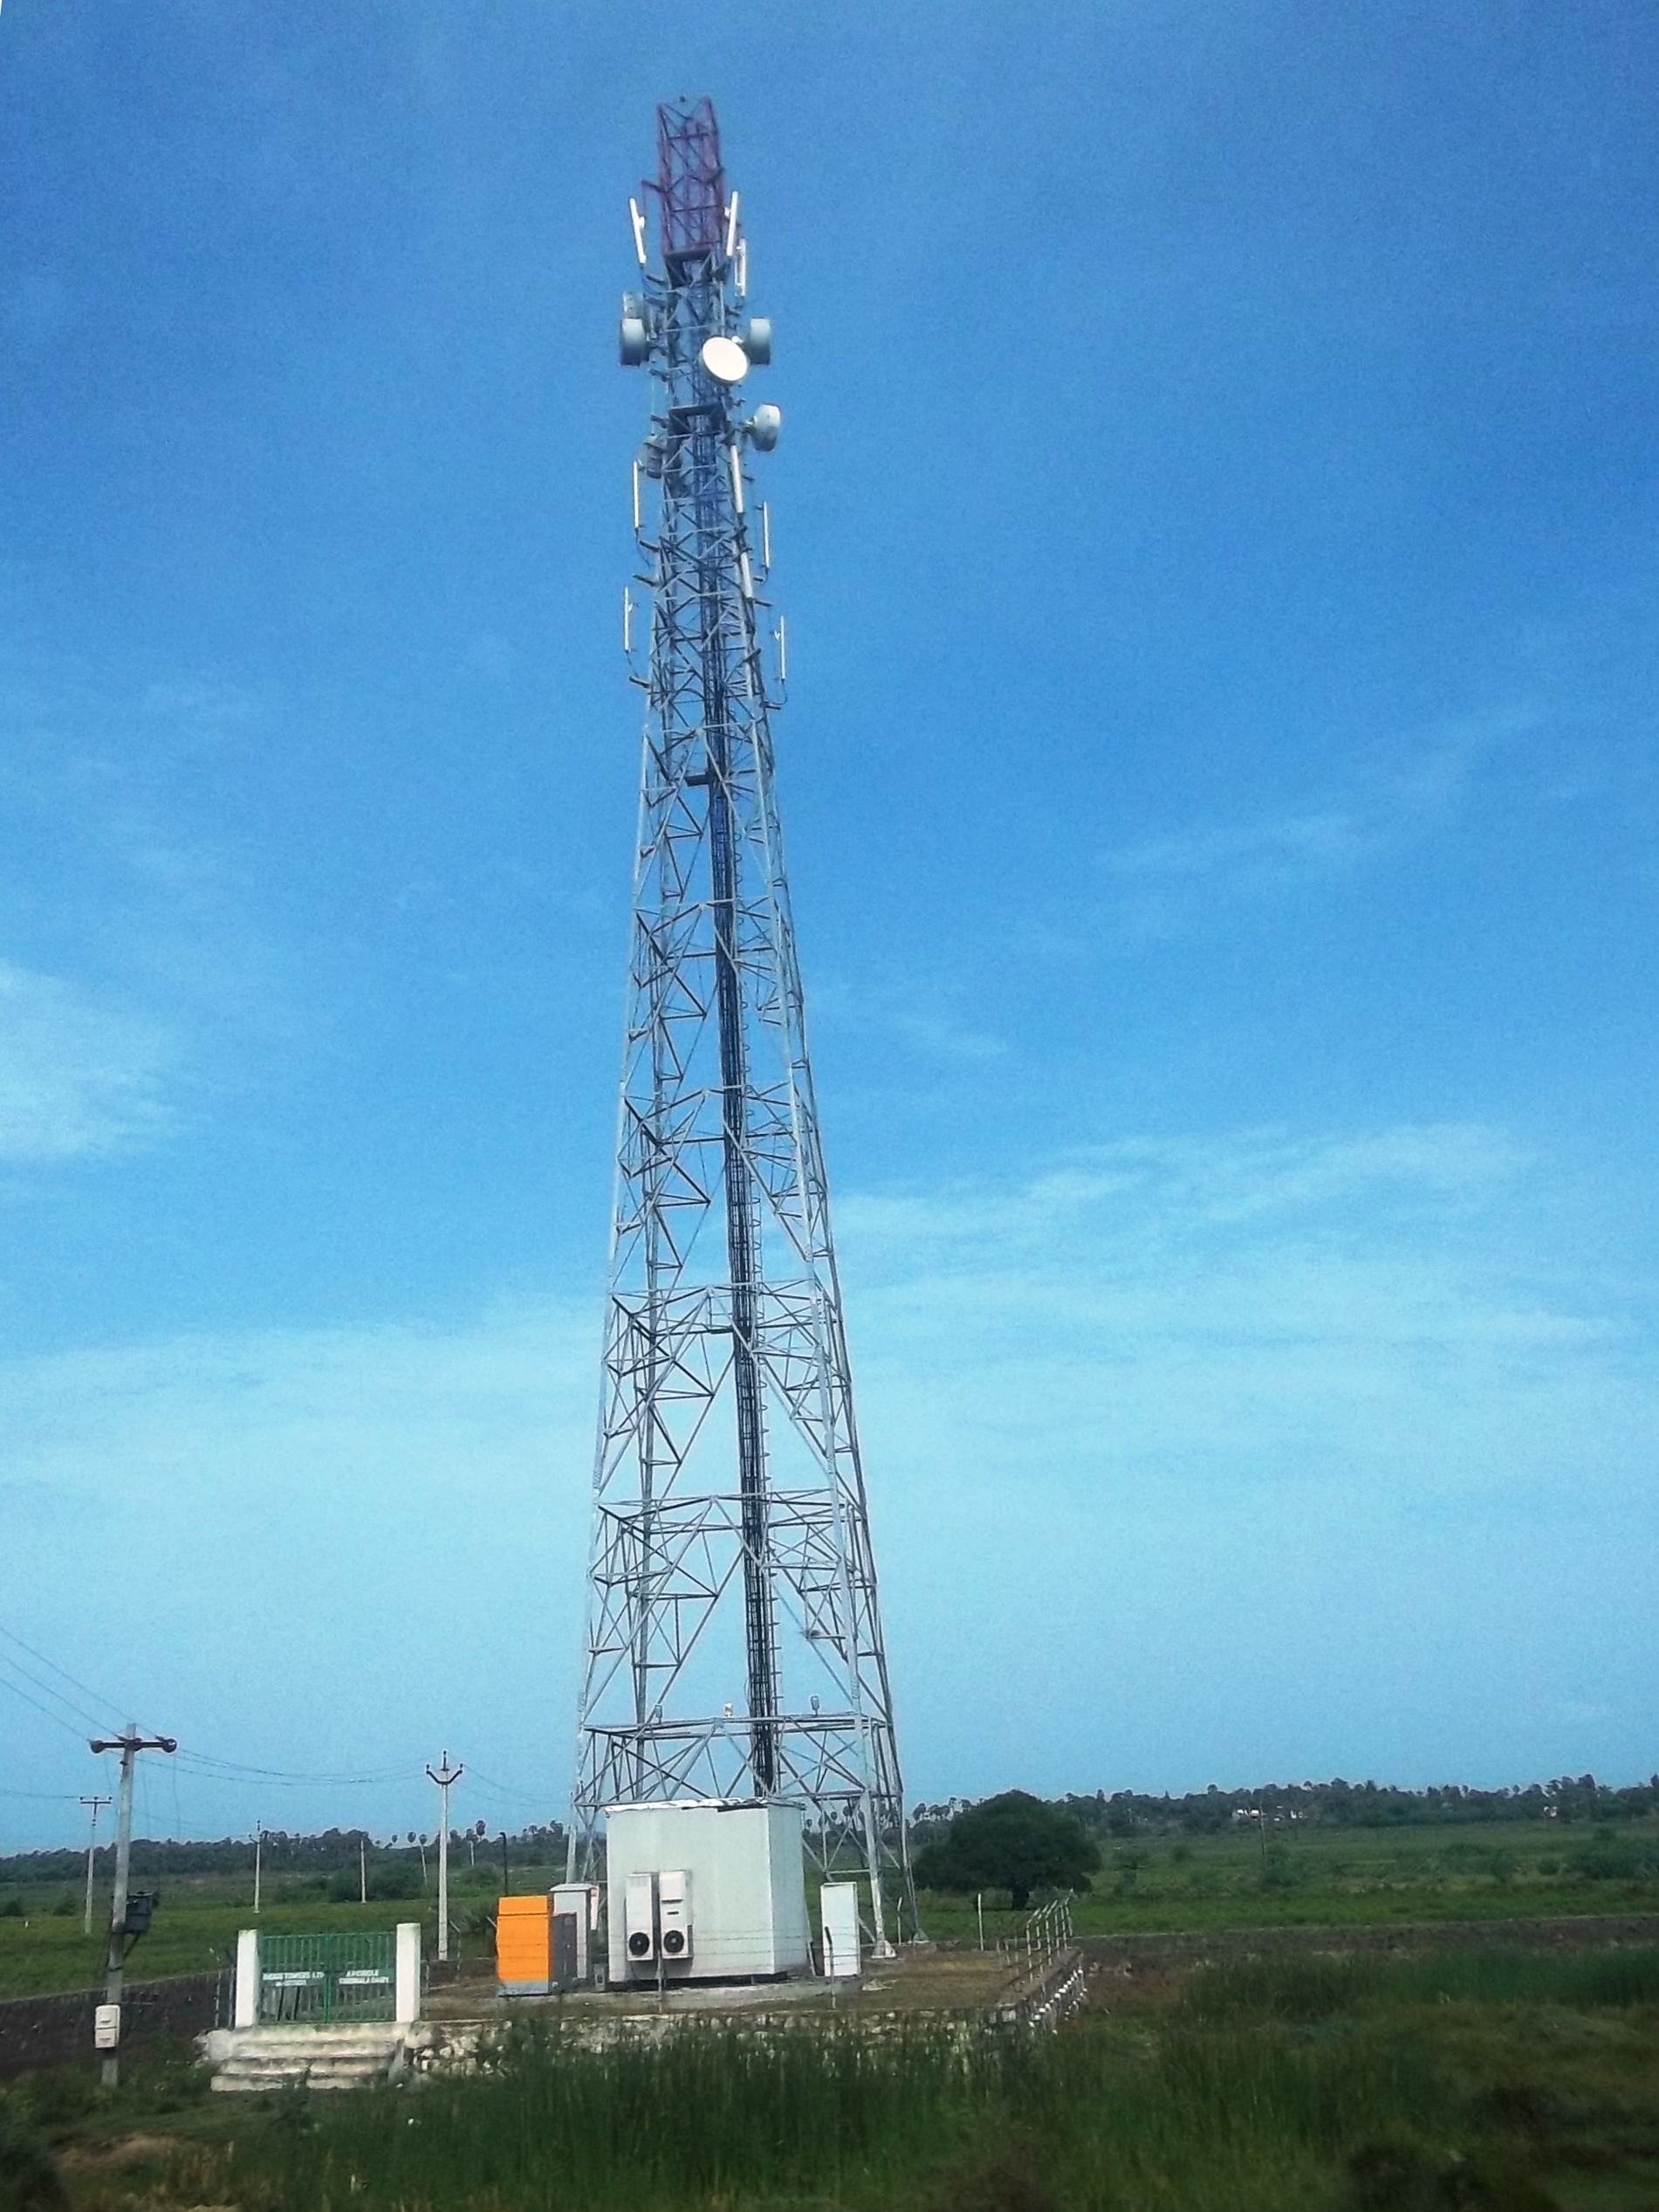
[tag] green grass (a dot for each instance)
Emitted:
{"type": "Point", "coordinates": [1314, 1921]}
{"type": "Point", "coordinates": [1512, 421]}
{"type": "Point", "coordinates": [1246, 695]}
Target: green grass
{"type": "Point", "coordinates": [1327, 1878]}
{"type": "Point", "coordinates": [1310, 1989]}
{"type": "Point", "coordinates": [1474, 2081]}
{"type": "Point", "coordinates": [196, 1924]}
{"type": "Point", "coordinates": [1502, 2081]}
{"type": "Point", "coordinates": [1216, 2121]}
{"type": "Point", "coordinates": [1346, 1877]}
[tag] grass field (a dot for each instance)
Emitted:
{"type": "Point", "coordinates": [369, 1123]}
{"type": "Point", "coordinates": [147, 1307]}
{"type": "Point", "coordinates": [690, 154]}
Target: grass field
{"type": "Point", "coordinates": [1321, 1877]}
{"type": "Point", "coordinates": [1336, 1877]}
{"type": "Point", "coordinates": [1510, 2081]}
{"type": "Point", "coordinates": [194, 1929]}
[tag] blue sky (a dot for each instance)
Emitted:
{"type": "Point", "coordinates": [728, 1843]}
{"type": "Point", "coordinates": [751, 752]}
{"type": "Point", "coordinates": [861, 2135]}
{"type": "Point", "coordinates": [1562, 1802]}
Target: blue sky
{"type": "Point", "coordinates": [1216, 523]}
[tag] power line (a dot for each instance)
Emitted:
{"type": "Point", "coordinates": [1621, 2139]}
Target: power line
{"type": "Point", "coordinates": [202, 1763]}
{"type": "Point", "coordinates": [83, 1712]}
{"type": "Point", "coordinates": [100, 1702]}
{"type": "Point", "coordinates": [501, 1789]}
{"type": "Point", "coordinates": [98, 1712]}
{"type": "Point", "coordinates": [57, 1718]}
{"type": "Point", "coordinates": [211, 1769]}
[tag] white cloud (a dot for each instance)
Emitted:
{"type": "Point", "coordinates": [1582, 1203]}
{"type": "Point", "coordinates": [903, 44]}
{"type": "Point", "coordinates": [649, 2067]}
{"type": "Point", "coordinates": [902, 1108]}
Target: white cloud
{"type": "Point", "coordinates": [1254, 1454]}
{"type": "Point", "coordinates": [1261, 854]}
{"type": "Point", "coordinates": [311, 1548]}
{"type": "Point", "coordinates": [1210, 1455]}
{"type": "Point", "coordinates": [1157, 882]}
{"type": "Point", "coordinates": [1247, 1312]}
{"type": "Point", "coordinates": [1142, 1188]}
{"type": "Point", "coordinates": [919, 1013]}
{"type": "Point", "coordinates": [77, 1076]}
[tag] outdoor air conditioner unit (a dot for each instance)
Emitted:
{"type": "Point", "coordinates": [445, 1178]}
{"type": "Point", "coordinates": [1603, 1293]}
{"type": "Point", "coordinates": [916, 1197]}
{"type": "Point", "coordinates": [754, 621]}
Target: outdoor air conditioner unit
{"type": "Point", "coordinates": [674, 1916]}
{"type": "Point", "coordinates": [640, 1912]}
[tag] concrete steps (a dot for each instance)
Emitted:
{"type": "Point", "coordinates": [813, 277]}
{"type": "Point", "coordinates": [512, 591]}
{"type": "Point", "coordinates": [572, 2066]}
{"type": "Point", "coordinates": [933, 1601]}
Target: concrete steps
{"type": "Point", "coordinates": [352, 2056]}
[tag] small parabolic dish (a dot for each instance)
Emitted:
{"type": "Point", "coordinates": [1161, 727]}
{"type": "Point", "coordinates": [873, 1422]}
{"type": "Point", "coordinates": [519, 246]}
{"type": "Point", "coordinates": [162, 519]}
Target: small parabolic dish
{"type": "Point", "coordinates": [725, 360]}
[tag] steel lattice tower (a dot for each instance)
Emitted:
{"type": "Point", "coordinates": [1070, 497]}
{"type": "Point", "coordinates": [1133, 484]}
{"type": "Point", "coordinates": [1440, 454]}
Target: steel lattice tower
{"type": "Point", "coordinates": [734, 1645]}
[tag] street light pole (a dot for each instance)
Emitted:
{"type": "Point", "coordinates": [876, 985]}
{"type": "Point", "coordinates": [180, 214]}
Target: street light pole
{"type": "Point", "coordinates": [129, 1743]}
{"type": "Point", "coordinates": [444, 1776]}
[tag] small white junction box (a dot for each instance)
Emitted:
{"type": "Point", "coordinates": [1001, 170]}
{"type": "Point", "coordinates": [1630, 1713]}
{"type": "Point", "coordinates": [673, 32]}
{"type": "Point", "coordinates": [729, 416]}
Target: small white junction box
{"type": "Point", "coordinates": [717, 1890]}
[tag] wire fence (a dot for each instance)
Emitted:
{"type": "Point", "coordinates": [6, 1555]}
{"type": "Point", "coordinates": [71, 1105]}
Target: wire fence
{"type": "Point", "coordinates": [1047, 1933]}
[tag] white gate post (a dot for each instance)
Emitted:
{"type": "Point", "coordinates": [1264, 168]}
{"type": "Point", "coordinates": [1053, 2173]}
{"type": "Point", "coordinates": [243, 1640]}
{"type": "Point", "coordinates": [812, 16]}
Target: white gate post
{"type": "Point", "coordinates": [408, 1972]}
{"type": "Point", "coordinates": [245, 2007]}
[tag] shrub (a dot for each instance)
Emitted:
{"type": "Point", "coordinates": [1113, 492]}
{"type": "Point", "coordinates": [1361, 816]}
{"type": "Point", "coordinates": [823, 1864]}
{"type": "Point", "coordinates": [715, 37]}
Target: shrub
{"type": "Point", "coordinates": [1608, 1861]}
{"type": "Point", "coordinates": [389, 1883]}
{"type": "Point", "coordinates": [29, 2180]}
{"type": "Point", "coordinates": [55, 2098]}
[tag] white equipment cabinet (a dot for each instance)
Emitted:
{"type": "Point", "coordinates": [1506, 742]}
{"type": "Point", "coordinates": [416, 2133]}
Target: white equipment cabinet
{"type": "Point", "coordinates": [718, 1889]}
{"type": "Point", "coordinates": [839, 1903]}
{"type": "Point", "coordinates": [580, 1900]}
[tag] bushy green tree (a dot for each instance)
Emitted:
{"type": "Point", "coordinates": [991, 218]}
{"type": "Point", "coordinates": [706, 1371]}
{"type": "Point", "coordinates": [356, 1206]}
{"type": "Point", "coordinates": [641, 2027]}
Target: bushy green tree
{"type": "Point", "coordinates": [1014, 1841]}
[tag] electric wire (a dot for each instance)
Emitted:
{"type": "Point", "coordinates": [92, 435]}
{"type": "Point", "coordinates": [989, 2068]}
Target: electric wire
{"type": "Point", "coordinates": [14, 1667]}
{"type": "Point", "coordinates": [501, 1789]}
{"type": "Point", "coordinates": [100, 1704]}
{"type": "Point", "coordinates": [96, 1714]}
{"type": "Point", "coordinates": [229, 1773]}
{"type": "Point", "coordinates": [231, 1770]}
{"type": "Point", "coordinates": [57, 1718]}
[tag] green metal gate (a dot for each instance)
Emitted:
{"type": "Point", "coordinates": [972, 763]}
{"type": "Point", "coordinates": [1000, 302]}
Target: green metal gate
{"type": "Point", "coordinates": [320, 1978]}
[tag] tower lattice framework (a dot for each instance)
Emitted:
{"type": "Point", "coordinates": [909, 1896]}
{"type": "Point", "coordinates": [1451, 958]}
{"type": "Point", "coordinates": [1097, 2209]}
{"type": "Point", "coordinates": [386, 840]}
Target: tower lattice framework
{"type": "Point", "coordinates": [734, 1646]}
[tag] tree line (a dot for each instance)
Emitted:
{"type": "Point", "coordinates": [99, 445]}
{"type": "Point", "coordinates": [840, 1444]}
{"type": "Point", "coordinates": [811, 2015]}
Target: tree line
{"type": "Point", "coordinates": [336, 1850]}
{"type": "Point", "coordinates": [1336, 1803]}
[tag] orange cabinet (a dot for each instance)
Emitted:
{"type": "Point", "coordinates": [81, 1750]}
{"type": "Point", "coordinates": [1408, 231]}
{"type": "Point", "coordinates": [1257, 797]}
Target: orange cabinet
{"type": "Point", "coordinates": [524, 1945]}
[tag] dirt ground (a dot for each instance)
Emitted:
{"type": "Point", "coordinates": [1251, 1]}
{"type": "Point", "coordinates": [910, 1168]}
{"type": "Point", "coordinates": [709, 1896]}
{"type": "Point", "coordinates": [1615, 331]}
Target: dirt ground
{"type": "Point", "coordinates": [920, 1982]}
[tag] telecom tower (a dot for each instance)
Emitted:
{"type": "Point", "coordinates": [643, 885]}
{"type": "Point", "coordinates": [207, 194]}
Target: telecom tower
{"type": "Point", "coordinates": [734, 1636]}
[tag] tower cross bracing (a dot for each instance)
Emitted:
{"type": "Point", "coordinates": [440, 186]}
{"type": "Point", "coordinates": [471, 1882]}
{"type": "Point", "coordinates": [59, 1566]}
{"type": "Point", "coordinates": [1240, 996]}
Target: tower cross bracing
{"type": "Point", "coordinates": [734, 1645]}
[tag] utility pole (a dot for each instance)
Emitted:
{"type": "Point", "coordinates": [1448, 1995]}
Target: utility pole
{"type": "Point", "coordinates": [129, 1743]}
{"type": "Point", "coordinates": [362, 1870]}
{"type": "Point", "coordinates": [95, 1806]}
{"type": "Point", "coordinates": [444, 1776]}
{"type": "Point", "coordinates": [258, 1856]}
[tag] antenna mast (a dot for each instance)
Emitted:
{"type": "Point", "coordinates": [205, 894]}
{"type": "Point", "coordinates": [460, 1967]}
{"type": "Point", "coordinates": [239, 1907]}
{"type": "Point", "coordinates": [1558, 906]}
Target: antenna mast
{"type": "Point", "coordinates": [734, 1645]}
